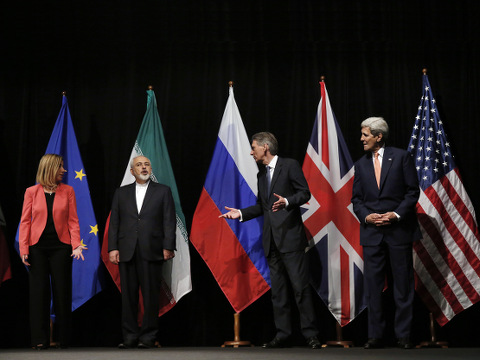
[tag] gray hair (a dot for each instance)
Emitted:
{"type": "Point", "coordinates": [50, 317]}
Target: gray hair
{"type": "Point", "coordinates": [377, 125]}
{"type": "Point", "coordinates": [268, 138]}
{"type": "Point", "coordinates": [132, 165]}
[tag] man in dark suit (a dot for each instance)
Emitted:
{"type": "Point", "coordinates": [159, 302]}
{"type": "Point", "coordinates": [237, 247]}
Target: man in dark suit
{"type": "Point", "coordinates": [385, 192]}
{"type": "Point", "coordinates": [141, 236]}
{"type": "Point", "coordinates": [282, 188]}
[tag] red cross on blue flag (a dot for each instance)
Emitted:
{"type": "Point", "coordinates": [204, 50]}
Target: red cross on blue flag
{"type": "Point", "coordinates": [335, 254]}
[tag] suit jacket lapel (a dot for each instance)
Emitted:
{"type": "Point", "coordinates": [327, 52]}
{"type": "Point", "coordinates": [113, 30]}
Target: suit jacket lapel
{"type": "Point", "coordinates": [386, 165]}
{"type": "Point", "coordinates": [148, 195]}
{"type": "Point", "coordinates": [59, 193]}
{"type": "Point", "coordinates": [132, 197]}
{"type": "Point", "coordinates": [370, 169]}
{"type": "Point", "coordinates": [276, 174]}
{"type": "Point", "coordinates": [41, 197]}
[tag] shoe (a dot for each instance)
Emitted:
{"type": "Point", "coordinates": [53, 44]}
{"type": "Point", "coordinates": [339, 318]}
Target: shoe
{"type": "Point", "coordinates": [373, 344]}
{"type": "Point", "coordinates": [404, 343]}
{"type": "Point", "coordinates": [40, 347]}
{"type": "Point", "coordinates": [314, 343]}
{"type": "Point", "coordinates": [145, 345]}
{"type": "Point", "coordinates": [276, 343]}
{"type": "Point", "coordinates": [127, 345]}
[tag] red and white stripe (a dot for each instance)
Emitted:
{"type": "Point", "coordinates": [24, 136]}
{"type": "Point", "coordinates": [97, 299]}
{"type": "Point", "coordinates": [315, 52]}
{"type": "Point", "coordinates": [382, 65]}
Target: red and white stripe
{"type": "Point", "coordinates": [447, 259]}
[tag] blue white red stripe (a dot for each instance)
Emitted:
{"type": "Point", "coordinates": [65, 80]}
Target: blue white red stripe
{"type": "Point", "coordinates": [233, 251]}
{"type": "Point", "coordinates": [336, 257]}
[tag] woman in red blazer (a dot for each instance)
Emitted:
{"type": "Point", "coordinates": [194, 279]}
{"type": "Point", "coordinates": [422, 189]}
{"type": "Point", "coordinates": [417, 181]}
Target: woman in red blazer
{"type": "Point", "coordinates": [49, 237]}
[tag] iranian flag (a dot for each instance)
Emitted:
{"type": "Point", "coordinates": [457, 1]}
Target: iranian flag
{"type": "Point", "coordinates": [151, 143]}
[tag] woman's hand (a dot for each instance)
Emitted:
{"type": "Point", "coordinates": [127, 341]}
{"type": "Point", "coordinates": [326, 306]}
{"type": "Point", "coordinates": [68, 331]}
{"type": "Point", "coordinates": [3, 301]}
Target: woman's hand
{"type": "Point", "coordinates": [25, 259]}
{"type": "Point", "coordinates": [77, 253]}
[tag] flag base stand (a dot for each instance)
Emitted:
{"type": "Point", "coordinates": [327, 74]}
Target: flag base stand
{"type": "Point", "coordinates": [236, 329]}
{"type": "Point", "coordinates": [52, 343]}
{"type": "Point", "coordinates": [433, 343]}
{"type": "Point", "coordinates": [339, 341]}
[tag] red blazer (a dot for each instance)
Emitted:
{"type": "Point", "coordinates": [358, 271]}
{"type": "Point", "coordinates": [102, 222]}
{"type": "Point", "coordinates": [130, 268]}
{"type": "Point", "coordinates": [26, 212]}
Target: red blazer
{"type": "Point", "coordinates": [34, 217]}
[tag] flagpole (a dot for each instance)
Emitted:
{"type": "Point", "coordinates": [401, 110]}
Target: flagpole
{"type": "Point", "coordinates": [236, 317]}
{"type": "Point", "coordinates": [433, 336]}
{"type": "Point", "coordinates": [53, 343]}
{"type": "Point", "coordinates": [433, 340]}
{"type": "Point", "coordinates": [236, 332]}
{"type": "Point", "coordinates": [338, 329]}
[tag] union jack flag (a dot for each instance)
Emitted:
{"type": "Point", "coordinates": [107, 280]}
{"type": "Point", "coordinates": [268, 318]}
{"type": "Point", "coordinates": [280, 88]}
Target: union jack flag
{"type": "Point", "coordinates": [333, 231]}
{"type": "Point", "coordinates": [446, 260]}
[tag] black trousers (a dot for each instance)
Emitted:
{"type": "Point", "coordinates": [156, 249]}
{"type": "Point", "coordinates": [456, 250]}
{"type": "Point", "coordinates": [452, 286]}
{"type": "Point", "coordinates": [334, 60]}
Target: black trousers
{"type": "Point", "coordinates": [145, 275]}
{"type": "Point", "coordinates": [376, 259]}
{"type": "Point", "coordinates": [285, 268]}
{"type": "Point", "coordinates": [50, 266]}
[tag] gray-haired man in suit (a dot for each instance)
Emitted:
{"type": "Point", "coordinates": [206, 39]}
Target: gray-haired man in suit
{"type": "Point", "coordinates": [141, 236]}
{"type": "Point", "coordinates": [282, 188]}
{"type": "Point", "coordinates": [385, 192]}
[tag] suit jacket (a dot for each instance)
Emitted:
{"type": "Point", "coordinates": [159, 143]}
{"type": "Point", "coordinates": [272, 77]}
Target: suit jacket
{"type": "Point", "coordinates": [153, 228]}
{"type": "Point", "coordinates": [34, 217]}
{"type": "Point", "coordinates": [399, 192]}
{"type": "Point", "coordinates": [285, 225]}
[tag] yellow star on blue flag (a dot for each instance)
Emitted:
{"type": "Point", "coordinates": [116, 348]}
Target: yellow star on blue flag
{"type": "Point", "coordinates": [85, 274]}
{"type": "Point", "coordinates": [94, 229]}
{"type": "Point", "coordinates": [80, 174]}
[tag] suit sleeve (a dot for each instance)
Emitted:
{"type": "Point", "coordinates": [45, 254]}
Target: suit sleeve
{"type": "Point", "coordinates": [357, 196]}
{"type": "Point", "coordinates": [256, 210]}
{"type": "Point", "coordinates": [301, 192]}
{"type": "Point", "coordinates": [25, 223]}
{"type": "Point", "coordinates": [169, 222]}
{"type": "Point", "coordinates": [412, 190]}
{"type": "Point", "coordinates": [113, 225]}
{"type": "Point", "coordinates": [72, 221]}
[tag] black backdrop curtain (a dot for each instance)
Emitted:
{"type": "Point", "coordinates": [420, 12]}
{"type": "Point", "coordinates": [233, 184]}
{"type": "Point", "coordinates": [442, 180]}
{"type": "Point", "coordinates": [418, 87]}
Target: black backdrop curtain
{"type": "Point", "coordinates": [106, 53]}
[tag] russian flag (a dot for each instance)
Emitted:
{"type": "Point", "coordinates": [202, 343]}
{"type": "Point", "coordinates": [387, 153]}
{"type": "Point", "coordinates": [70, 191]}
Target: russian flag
{"type": "Point", "coordinates": [232, 250]}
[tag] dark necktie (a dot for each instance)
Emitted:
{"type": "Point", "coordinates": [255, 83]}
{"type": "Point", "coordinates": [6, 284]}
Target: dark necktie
{"type": "Point", "coordinates": [269, 180]}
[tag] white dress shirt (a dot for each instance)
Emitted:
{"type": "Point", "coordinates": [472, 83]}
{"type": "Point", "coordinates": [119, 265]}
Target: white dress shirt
{"type": "Point", "coordinates": [140, 191]}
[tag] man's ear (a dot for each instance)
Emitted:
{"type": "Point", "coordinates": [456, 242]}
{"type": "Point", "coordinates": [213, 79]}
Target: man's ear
{"type": "Point", "coordinates": [131, 171]}
{"type": "Point", "coordinates": [380, 137]}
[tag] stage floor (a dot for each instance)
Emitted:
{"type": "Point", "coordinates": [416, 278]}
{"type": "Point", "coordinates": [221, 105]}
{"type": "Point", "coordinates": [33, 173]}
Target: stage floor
{"type": "Point", "coordinates": [244, 353]}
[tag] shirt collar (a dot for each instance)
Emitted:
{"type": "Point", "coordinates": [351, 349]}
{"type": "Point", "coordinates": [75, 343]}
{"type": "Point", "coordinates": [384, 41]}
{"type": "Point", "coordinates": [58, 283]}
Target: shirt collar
{"type": "Point", "coordinates": [380, 152]}
{"type": "Point", "coordinates": [273, 162]}
{"type": "Point", "coordinates": [142, 185]}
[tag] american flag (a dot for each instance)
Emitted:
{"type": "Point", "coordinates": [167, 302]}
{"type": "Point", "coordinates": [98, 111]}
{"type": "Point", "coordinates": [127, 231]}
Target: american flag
{"type": "Point", "coordinates": [333, 231]}
{"type": "Point", "coordinates": [446, 260]}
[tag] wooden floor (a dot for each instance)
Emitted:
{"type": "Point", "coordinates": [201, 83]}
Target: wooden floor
{"type": "Point", "coordinates": [244, 353]}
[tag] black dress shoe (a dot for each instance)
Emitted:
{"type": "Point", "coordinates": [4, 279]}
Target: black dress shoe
{"type": "Point", "coordinates": [404, 343]}
{"type": "Point", "coordinates": [145, 344]}
{"type": "Point", "coordinates": [276, 343]}
{"type": "Point", "coordinates": [40, 347]}
{"type": "Point", "coordinates": [373, 344]}
{"type": "Point", "coordinates": [127, 345]}
{"type": "Point", "coordinates": [314, 343]}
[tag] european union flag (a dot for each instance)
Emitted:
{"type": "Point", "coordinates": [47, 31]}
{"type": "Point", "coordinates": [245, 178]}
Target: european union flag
{"type": "Point", "coordinates": [85, 274]}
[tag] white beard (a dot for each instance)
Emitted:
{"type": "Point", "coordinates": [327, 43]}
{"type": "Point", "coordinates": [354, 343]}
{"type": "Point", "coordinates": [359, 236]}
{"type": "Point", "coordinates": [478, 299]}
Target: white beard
{"type": "Point", "coordinates": [144, 177]}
